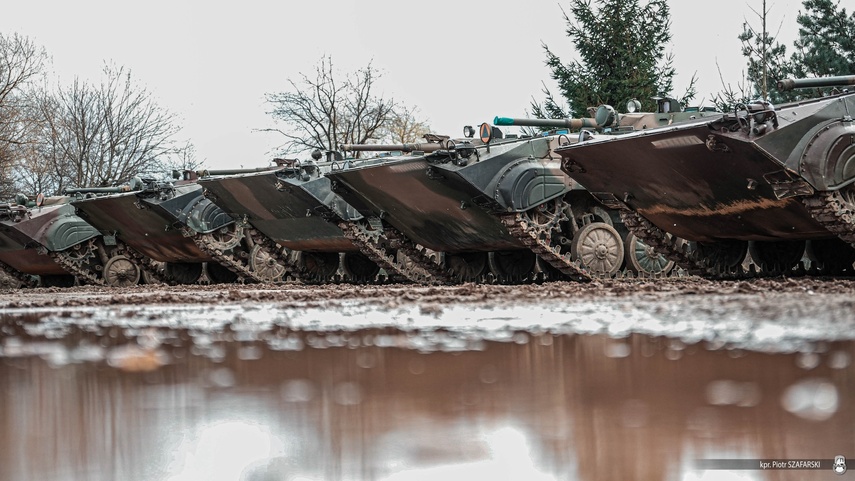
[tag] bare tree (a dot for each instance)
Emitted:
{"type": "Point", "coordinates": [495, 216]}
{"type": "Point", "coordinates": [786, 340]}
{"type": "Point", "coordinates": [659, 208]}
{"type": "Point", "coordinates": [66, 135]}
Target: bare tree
{"type": "Point", "coordinates": [21, 61]}
{"type": "Point", "coordinates": [98, 135]}
{"type": "Point", "coordinates": [327, 110]}
{"type": "Point", "coordinates": [180, 158]}
{"type": "Point", "coordinates": [731, 96]}
{"type": "Point", "coordinates": [404, 127]}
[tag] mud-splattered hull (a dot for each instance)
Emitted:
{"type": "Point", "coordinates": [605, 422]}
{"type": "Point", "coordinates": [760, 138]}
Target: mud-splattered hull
{"type": "Point", "coordinates": [694, 188]}
{"type": "Point", "coordinates": [146, 228]}
{"type": "Point", "coordinates": [296, 214]}
{"type": "Point", "coordinates": [439, 215]}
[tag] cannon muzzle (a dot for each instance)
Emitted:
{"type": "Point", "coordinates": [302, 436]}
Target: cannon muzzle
{"type": "Point", "coordinates": [421, 147]}
{"type": "Point", "coordinates": [548, 123]}
{"type": "Point", "coordinates": [818, 82]}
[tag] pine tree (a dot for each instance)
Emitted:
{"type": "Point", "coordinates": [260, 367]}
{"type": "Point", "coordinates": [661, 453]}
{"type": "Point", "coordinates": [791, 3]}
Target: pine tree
{"type": "Point", "coordinates": [825, 47]}
{"type": "Point", "coordinates": [767, 60]}
{"type": "Point", "coordinates": [826, 44]}
{"type": "Point", "coordinates": [621, 48]}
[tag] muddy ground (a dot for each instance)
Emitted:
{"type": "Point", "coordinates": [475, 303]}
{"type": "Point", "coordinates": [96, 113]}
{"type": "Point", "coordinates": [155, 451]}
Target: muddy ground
{"type": "Point", "coordinates": [673, 290]}
{"type": "Point", "coordinates": [777, 314]}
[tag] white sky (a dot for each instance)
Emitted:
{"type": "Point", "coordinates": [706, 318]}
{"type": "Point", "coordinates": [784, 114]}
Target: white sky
{"type": "Point", "coordinates": [460, 62]}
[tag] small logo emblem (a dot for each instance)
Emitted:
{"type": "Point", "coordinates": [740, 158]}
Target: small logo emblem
{"type": "Point", "coordinates": [839, 464]}
{"type": "Point", "coordinates": [485, 132]}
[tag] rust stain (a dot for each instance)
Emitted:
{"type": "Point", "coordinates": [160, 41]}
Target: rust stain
{"type": "Point", "coordinates": [733, 208]}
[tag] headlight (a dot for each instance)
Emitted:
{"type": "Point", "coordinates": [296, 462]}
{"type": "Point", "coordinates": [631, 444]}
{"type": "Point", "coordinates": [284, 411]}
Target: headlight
{"type": "Point", "coordinates": [633, 106]}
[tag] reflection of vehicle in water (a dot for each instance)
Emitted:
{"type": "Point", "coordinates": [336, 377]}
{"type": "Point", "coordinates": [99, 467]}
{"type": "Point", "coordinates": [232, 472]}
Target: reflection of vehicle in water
{"type": "Point", "coordinates": [763, 178]}
{"type": "Point", "coordinates": [31, 235]}
{"type": "Point", "coordinates": [578, 407]}
{"type": "Point", "coordinates": [292, 206]}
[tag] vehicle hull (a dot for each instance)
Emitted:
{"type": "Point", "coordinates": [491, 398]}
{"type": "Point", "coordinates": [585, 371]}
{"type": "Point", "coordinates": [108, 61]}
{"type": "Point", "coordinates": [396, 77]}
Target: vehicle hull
{"type": "Point", "coordinates": [709, 181]}
{"type": "Point", "coordinates": [295, 213]}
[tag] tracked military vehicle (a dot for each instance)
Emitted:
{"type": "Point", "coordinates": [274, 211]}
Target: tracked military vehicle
{"type": "Point", "coordinates": [167, 230]}
{"type": "Point", "coordinates": [762, 178]}
{"type": "Point", "coordinates": [31, 231]}
{"type": "Point", "coordinates": [460, 205]}
{"type": "Point", "coordinates": [494, 204]}
{"type": "Point", "coordinates": [293, 207]}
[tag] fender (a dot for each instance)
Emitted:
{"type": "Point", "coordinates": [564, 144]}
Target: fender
{"type": "Point", "coordinates": [527, 183]}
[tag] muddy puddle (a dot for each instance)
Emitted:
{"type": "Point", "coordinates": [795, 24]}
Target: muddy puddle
{"type": "Point", "coordinates": [612, 382]}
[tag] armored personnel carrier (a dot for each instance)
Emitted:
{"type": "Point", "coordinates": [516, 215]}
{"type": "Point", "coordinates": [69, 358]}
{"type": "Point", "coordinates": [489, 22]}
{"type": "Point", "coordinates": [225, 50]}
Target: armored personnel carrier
{"type": "Point", "coordinates": [293, 207]}
{"type": "Point", "coordinates": [168, 230]}
{"type": "Point", "coordinates": [464, 207]}
{"type": "Point", "coordinates": [495, 204]}
{"type": "Point", "coordinates": [30, 231]}
{"type": "Point", "coordinates": [477, 202]}
{"type": "Point", "coordinates": [762, 178]}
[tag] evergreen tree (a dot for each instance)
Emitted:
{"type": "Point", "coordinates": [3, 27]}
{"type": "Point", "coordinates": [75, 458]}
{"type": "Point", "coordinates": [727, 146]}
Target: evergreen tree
{"type": "Point", "coordinates": [621, 48]}
{"type": "Point", "coordinates": [825, 47]}
{"type": "Point", "coordinates": [767, 60]}
{"type": "Point", "coordinates": [826, 44]}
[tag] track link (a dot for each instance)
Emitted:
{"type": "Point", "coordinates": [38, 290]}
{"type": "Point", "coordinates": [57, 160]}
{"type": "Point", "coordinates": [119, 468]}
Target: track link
{"type": "Point", "coordinates": [834, 212]}
{"type": "Point", "coordinates": [374, 244]}
{"type": "Point", "coordinates": [79, 268]}
{"type": "Point", "coordinates": [538, 239]}
{"type": "Point", "coordinates": [672, 247]}
{"type": "Point", "coordinates": [236, 258]}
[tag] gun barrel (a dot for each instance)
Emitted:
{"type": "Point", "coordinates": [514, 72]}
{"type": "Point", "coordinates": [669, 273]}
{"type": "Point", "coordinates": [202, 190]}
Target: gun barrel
{"type": "Point", "coordinates": [423, 147]}
{"type": "Point", "coordinates": [97, 190]}
{"type": "Point", "coordinates": [549, 123]}
{"type": "Point", "coordinates": [232, 171]}
{"type": "Point", "coordinates": [806, 83]}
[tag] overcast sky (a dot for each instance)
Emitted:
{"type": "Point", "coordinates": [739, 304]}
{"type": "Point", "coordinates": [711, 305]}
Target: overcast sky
{"type": "Point", "coordinates": [460, 62]}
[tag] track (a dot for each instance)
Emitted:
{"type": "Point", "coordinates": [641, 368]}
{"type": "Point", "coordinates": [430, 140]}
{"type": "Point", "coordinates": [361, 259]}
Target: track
{"type": "Point", "coordinates": [234, 252]}
{"type": "Point", "coordinates": [673, 248]}
{"type": "Point", "coordinates": [372, 242]}
{"type": "Point", "coordinates": [79, 262]}
{"type": "Point", "coordinates": [835, 211]}
{"type": "Point", "coordinates": [151, 267]}
{"type": "Point", "coordinates": [535, 229]}
{"type": "Point", "coordinates": [84, 262]}
{"type": "Point", "coordinates": [676, 249]}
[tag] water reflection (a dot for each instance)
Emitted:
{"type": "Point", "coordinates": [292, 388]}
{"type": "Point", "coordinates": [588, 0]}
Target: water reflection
{"type": "Point", "coordinates": [104, 402]}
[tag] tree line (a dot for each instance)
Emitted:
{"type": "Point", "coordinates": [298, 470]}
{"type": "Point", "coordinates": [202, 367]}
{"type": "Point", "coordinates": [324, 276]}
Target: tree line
{"type": "Point", "coordinates": [621, 48]}
{"type": "Point", "coordinates": [55, 135]}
